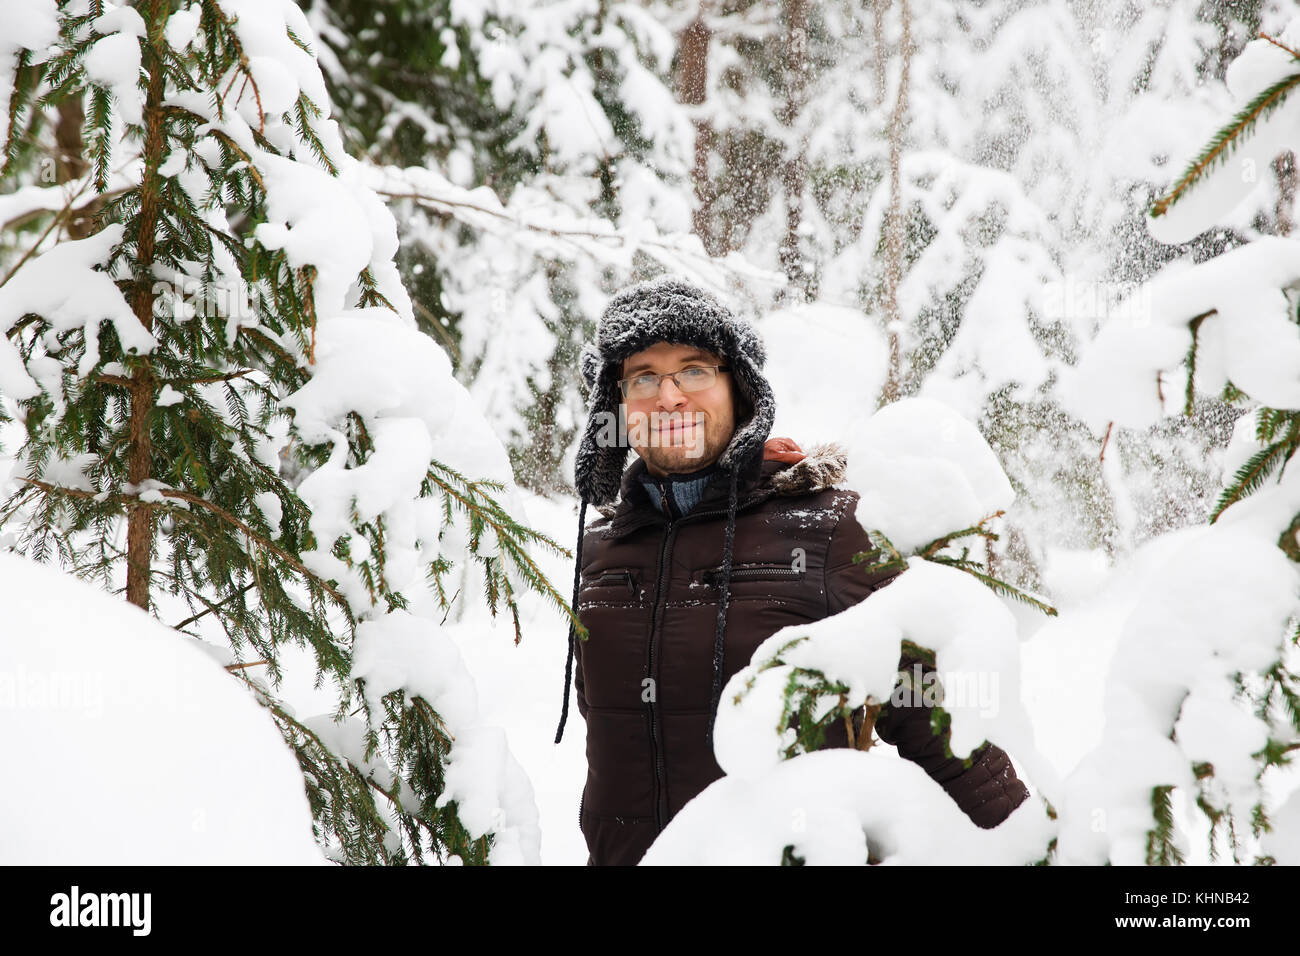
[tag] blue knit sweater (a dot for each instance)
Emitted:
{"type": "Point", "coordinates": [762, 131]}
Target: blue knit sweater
{"type": "Point", "coordinates": [683, 491]}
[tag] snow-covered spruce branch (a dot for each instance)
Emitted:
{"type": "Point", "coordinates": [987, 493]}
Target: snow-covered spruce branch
{"type": "Point", "coordinates": [471, 499]}
{"type": "Point", "coordinates": [1251, 476]}
{"type": "Point", "coordinates": [920, 471]}
{"type": "Point", "coordinates": [1226, 140]}
{"type": "Point", "coordinates": [340, 794]}
{"type": "Point", "coordinates": [408, 731]}
{"type": "Point", "coordinates": [934, 552]}
{"type": "Point", "coordinates": [808, 692]}
{"type": "Point", "coordinates": [129, 501]}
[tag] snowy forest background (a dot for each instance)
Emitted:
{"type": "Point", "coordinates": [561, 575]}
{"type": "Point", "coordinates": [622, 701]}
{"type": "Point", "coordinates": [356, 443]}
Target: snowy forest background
{"type": "Point", "coordinates": [387, 228]}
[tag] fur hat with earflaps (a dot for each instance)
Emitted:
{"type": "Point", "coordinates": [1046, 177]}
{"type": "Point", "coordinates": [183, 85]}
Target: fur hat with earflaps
{"type": "Point", "coordinates": [672, 310]}
{"type": "Point", "coordinates": [667, 309]}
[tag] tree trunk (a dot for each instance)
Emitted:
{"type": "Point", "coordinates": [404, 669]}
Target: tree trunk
{"type": "Point", "coordinates": [1284, 169]}
{"type": "Point", "coordinates": [794, 171]}
{"type": "Point", "coordinates": [140, 516]}
{"type": "Point", "coordinates": [692, 90]}
{"type": "Point", "coordinates": [71, 162]}
{"type": "Point", "coordinates": [895, 237]}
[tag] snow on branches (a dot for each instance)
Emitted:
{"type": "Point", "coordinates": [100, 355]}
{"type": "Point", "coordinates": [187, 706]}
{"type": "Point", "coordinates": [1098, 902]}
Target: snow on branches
{"type": "Point", "coordinates": [228, 369]}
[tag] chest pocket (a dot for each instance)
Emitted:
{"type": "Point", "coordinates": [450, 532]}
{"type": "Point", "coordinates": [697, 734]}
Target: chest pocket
{"type": "Point", "coordinates": [763, 574]}
{"type": "Point", "coordinates": [613, 586]}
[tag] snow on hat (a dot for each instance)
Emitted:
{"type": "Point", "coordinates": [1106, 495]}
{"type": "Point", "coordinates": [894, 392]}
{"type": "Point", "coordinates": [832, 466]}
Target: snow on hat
{"type": "Point", "coordinates": [667, 309]}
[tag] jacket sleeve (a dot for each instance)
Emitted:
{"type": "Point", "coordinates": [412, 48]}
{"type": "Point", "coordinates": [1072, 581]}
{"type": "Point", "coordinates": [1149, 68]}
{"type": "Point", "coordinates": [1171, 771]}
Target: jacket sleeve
{"type": "Point", "coordinates": [986, 791]}
{"type": "Point", "coordinates": [847, 583]}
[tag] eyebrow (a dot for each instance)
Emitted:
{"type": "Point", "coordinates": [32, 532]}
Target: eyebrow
{"type": "Point", "coordinates": [642, 366]}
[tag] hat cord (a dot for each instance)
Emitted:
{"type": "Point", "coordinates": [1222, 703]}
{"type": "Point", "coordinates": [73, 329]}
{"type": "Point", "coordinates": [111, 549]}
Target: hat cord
{"type": "Point", "coordinates": [577, 576]}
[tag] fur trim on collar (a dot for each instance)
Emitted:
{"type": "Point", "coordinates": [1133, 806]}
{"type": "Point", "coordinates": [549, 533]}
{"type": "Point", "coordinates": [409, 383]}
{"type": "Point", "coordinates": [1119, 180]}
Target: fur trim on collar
{"type": "Point", "coordinates": [822, 467]}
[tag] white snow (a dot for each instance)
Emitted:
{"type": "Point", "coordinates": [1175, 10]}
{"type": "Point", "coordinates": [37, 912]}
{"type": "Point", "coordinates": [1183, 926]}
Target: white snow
{"type": "Point", "coordinates": [43, 286]}
{"type": "Point", "coordinates": [113, 62]}
{"type": "Point", "coordinates": [182, 26]}
{"type": "Point", "coordinates": [492, 793]}
{"type": "Point", "coordinates": [1243, 168]}
{"type": "Point", "coordinates": [923, 471]}
{"type": "Point", "coordinates": [1216, 605]}
{"type": "Point", "coordinates": [29, 25]}
{"type": "Point", "coordinates": [168, 396]}
{"type": "Point", "coordinates": [825, 365]}
{"type": "Point", "coordinates": [1283, 842]}
{"type": "Point", "coordinates": [832, 807]}
{"type": "Point", "coordinates": [1132, 372]}
{"type": "Point", "coordinates": [128, 745]}
{"type": "Point", "coordinates": [944, 609]}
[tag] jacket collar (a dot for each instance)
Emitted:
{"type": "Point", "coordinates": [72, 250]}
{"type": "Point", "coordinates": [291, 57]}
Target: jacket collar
{"type": "Point", "coordinates": [635, 509]}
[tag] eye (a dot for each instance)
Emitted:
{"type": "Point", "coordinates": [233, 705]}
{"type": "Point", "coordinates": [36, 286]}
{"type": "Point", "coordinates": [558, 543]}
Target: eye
{"type": "Point", "coordinates": [694, 373]}
{"type": "Point", "coordinates": [642, 381]}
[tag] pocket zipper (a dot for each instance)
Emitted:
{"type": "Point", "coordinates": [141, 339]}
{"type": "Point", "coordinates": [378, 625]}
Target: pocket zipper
{"type": "Point", "coordinates": [615, 577]}
{"type": "Point", "coordinates": [713, 576]}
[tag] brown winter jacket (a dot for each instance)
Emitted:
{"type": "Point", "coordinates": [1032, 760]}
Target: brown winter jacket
{"type": "Point", "coordinates": [648, 597]}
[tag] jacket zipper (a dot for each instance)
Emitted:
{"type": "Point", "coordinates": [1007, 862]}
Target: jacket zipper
{"type": "Point", "coordinates": [656, 755]}
{"type": "Point", "coordinates": [661, 811]}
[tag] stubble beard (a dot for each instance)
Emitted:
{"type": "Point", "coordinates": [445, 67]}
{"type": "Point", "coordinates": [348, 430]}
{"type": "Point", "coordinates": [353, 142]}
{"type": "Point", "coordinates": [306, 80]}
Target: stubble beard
{"type": "Point", "coordinates": [685, 454]}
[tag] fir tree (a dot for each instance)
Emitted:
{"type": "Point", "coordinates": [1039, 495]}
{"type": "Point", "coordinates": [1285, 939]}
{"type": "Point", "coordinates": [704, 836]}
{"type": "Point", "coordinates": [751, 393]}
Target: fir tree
{"type": "Point", "coordinates": [1275, 689]}
{"type": "Point", "coordinates": [182, 376]}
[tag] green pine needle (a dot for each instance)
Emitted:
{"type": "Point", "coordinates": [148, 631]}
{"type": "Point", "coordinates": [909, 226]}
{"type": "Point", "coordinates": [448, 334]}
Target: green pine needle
{"type": "Point", "coordinates": [1251, 476]}
{"type": "Point", "coordinates": [1226, 140]}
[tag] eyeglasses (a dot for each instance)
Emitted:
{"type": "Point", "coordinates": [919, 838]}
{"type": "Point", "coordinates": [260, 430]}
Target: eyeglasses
{"type": "Point", "coordinates": [694, 378]}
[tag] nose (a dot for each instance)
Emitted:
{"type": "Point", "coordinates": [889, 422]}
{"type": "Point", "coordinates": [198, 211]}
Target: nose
{"type": "Point", "coordinates": [670, 396]}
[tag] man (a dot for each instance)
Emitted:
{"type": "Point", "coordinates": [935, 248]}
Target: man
{"type": "Point", "coordinates": [719, 538]}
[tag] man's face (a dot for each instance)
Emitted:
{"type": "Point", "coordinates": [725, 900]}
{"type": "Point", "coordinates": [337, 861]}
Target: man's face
{"type": "Point", "coordinates": [677, 431]}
